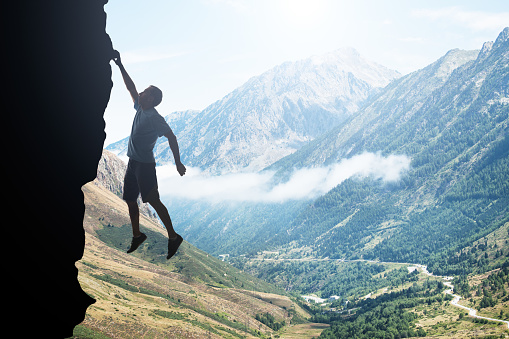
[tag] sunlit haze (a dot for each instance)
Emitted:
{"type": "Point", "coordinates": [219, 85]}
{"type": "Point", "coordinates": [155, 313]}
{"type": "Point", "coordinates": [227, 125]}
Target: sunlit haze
{"type": "Point", "coordinates": [198, 51]}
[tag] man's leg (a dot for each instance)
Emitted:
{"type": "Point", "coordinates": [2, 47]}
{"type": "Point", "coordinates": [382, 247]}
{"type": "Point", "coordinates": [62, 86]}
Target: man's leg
{"type": "Point", "coordinates": [174, 240]}
{"type": "Point", "coordinates": [138, 237]}
{"type": "Point", "coordinates": [134, 214]}
{"type": "Point", "coordinates": [131, 193]}
{"type": "Point", "coordinates": [163, 214]}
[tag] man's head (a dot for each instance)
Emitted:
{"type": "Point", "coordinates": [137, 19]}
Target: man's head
{"type": "Point", "coordinates": [150, 97]}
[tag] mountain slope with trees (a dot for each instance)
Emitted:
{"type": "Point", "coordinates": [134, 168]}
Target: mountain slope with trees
{"type": "Point", "coordinates": [455, 129]}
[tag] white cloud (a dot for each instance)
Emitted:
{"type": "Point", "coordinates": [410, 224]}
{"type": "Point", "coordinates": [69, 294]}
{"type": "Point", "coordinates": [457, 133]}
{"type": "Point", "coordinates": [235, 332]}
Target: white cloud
{"type": "Point", "coordinates": [306, 183]}
{"type": "Point", "coordinates": [476, 20]}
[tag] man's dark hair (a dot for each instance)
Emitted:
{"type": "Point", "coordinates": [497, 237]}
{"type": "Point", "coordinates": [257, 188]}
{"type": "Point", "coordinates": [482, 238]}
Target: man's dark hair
{"type": "Point", "coordinates": [157, 94]}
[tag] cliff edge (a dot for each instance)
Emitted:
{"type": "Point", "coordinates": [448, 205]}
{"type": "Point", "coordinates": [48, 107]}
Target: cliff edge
{"type": "Point", "coordinates": [57, 85]}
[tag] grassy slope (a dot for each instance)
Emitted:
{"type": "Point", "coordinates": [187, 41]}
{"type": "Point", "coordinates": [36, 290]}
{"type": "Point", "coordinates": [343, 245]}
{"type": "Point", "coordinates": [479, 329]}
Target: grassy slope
{"type": "Point", "coordinates": [144, 296]}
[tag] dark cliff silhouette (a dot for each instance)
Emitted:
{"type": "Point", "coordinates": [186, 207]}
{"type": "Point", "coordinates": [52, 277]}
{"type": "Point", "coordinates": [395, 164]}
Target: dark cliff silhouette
{"type": "Point", "coordinates": [57, 83]}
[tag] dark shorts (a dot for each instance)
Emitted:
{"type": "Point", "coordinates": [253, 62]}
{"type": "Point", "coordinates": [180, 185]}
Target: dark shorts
{"type": "Point", "coordinates": [141, 178]}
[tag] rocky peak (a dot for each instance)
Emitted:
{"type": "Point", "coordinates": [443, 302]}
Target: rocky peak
{"type": "Point", "coordinates": [486, 48]}
{"type": "Point", "coordinates": [502, 37]}
{"type": "Point", "coordinates": [451, 61]}
{"type": "Point", "coordinates": [349, 60]}
{"type": "Point", "coordinates": [110, 173]}
{"type": "Point", "coordinates": [489, 47]}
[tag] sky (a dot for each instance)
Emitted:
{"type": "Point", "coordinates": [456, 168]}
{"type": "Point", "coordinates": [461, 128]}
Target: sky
{"type": "Point", "coordinates": [197, 51]}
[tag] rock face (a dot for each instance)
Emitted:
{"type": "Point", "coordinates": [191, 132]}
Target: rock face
{"type": "Point", "coordinates": [57, 84]}
{"type": "Point", "coordinates": [110, 173]}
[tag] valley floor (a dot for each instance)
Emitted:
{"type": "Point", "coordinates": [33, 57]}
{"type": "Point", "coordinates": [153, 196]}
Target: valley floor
{"type": "Point", "coordinates": [198, 296]}
{"type": "Point", "coordinates": [309, 330]}
{"type": "Point", "coordinates": [454, 317]}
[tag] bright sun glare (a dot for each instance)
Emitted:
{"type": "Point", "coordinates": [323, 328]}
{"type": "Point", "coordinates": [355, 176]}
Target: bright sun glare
{"type": "Point", "coordinates": [303, 12]}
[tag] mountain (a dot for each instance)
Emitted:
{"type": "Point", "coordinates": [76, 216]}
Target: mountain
{"type": "Point", "coordinates": [192, 295]}
{"type": "Point", "coordinates": [398, 102]}
{"type": "Point", "coordinates": [451, 118]}
{"type": "Point", "coordinates": [449, 210]}
{"type": "Point", "coordinates": [273, 114]}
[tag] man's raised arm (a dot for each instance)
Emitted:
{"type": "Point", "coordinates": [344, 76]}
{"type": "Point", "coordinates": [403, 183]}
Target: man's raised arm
{"type": "Point", "coordinates": [129, 84]}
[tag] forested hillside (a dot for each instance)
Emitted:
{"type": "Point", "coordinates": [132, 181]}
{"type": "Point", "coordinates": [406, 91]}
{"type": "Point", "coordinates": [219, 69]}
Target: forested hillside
{"type": "Point", "coordinates": [455, 129]}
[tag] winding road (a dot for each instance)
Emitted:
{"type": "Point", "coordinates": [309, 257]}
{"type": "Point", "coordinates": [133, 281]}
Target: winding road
{"type": "Point", "coordinates": [455, 302]}
{"type": "Point", "coordinates": [471, 312]}
{"type": "Point", "coordinates": [447, 282]}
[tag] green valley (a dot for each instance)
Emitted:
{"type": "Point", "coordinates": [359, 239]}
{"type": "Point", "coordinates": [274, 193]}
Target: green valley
{"type": "Point", "coordinates": [197, 295]}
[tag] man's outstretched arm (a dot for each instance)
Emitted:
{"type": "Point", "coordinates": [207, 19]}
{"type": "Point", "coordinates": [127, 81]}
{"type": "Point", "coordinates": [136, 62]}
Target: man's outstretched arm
{"type": "Point", "coordinates": [129, 83]}
{"type": "Point", "coordinates": [172, 140]}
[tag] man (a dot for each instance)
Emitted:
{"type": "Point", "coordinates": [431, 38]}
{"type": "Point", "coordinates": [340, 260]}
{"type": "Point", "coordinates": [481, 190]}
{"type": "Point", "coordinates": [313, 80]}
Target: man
{"type": "Point", "coordinates": [140, 176]}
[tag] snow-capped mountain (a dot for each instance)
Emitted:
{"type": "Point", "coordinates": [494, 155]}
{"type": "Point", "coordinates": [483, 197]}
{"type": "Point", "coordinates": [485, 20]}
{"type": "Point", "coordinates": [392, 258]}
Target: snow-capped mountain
{"type": "Point", "coordinates": [274, 114]}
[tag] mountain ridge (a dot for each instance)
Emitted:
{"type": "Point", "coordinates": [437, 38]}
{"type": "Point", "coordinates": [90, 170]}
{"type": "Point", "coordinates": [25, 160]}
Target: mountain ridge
{"type": "Point", "coordinates": [419, 84]}
{"type": "Point", "coordinates": [273, 114]}
{"type": "Point", "coordinates": [456, 133]}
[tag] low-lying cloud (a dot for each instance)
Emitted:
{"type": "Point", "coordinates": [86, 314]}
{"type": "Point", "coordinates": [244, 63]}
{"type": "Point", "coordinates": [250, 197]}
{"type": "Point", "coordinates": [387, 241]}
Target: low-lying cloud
{"type": "Point", "coordinates": [305, 183]}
